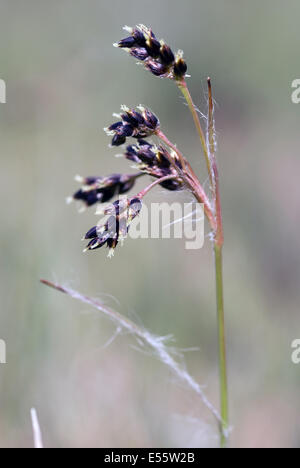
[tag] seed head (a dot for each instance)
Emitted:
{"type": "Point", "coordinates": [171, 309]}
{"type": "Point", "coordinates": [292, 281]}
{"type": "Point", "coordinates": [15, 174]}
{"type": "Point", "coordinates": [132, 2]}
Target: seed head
{"type": "Point", "coordinates": [140, 53]}
{"type": "Point", "coordinates": [155, 161]}
{"type": "Point", "coordinates": [180, 66]}
{"type": "Point", "coordinates": [121, 214]}
{"type": "Point", "coordinates": [157, 56]}
{"type": "Point", "coordinates": [103, 189]}
{"type": "Point", "coordinates": [139, 123]}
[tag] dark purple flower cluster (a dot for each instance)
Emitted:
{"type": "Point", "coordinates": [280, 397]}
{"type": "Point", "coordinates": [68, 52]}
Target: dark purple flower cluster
{"type": "Point", "coordinates": [157, 56]}
{"type": "Point", "coordinates": [121, 214]}
{"type": "Point", "coordinates": [132, 123]}
{"type": "Point", "coordinates": [150, 159]}
{"type": "Point", "coordinates": [155, 161]}
{"type": "Point", "coordinates": [103, 189]}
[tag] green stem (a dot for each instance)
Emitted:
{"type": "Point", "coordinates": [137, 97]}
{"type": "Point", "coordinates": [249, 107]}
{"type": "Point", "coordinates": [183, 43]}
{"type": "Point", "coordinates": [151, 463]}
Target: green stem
{"type": "Point", "coordinates": [186, 93]}
{"type": "Point", "coordinates": [222, 345]}
{"type": "Point", "coordinates": [217, 227]}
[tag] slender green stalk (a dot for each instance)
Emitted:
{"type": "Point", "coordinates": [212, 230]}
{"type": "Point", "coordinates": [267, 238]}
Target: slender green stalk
{"type": "Point", "coordinates": [217, 227]}
{"type": "Point", "coordinates": [186, 93]}
{"type": "Point", "coordinates": [222, 345]}
{"type": "Point", "coordinates": [218, 247]}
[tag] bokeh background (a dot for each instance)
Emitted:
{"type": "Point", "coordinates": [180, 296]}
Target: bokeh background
{"type": "Point", "coordinates": [64, 79]}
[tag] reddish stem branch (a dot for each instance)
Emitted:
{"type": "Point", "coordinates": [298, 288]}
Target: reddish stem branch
{"type": "Point", "coordinates": [171, 145]}
{"type": "Point", "coordinates": [144, 192]}
{"type": "Point", "coordinates": [191, 180]}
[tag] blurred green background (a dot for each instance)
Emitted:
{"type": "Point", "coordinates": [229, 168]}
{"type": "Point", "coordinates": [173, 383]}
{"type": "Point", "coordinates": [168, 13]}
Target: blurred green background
{"type": "Point", "coordinates": [64, 79]}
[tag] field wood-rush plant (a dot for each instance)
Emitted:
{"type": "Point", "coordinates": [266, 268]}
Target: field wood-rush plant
{"type": "Point", "coordinates": [171, 170]}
